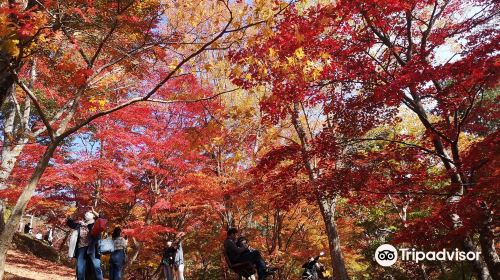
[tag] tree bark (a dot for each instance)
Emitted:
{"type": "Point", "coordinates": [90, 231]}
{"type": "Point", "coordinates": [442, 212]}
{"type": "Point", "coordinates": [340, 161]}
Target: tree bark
{"type": "Point", "coordinates": [487, 242]}
{"type": "Point", "coordinates": [479, 266]}
{"type": "Point", "coordinates": [2, 215]}
{"type": "Point", "coordinates": [14, 136]}
{"type": "Point", "coordinates": [136, 248]}
{"type": "Point", "coordinates": [326, 205]}
{"type": "Point", "coordinates": [18, 210]}
{"type": "Point", "coordinates": [6, 78]}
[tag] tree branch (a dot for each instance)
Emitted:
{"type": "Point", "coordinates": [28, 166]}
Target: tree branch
{"type": "Point", "coordinates": [191, 100]}
{"type": "Point", "coordinates": [428, 151]}
{"type": "Point", "coordinates": [37, 105]}
{"type": "Point", "coordinates": [158, 86]}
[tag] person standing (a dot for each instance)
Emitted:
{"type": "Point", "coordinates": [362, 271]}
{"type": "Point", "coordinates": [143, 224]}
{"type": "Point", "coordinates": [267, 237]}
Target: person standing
{"type": "Point", "coordinates": [117, 259]}
{"type": "Point", "coordinates": [28, 228]}
{"type": "Point", "coordinates": [168, 260]}
{"type": "Point", "coordinates": [179, 257]}
{"type": "Point", "coordinates": [86, 250]}
{"type": "Point", "coordinates": [49, 236]}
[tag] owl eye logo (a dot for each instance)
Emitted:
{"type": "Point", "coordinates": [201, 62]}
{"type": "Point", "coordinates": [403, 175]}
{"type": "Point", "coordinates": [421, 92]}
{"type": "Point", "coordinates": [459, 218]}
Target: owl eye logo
{"type": "Point", "coordinates": [386, 255]}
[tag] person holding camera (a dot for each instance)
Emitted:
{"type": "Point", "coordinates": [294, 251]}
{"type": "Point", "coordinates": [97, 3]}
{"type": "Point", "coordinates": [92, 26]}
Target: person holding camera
{"type": "Point", "coordinates": [86, 250]}
{"type": "Point", "coordinates": [313, 269]}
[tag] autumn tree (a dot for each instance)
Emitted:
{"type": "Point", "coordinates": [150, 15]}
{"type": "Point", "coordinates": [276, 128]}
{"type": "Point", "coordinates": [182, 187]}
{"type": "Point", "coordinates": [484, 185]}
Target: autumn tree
{"type": "Point", "coordinates": [87, 59]}
{"type": "Point", "coordinates": [358, 62]}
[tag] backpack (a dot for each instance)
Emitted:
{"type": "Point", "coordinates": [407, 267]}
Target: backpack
{"type": "Point", "coordinates": [106, 246]}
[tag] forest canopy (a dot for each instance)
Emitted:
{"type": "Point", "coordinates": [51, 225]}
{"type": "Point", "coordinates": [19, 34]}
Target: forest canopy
{"type": "Point", "coordinates": [309, 126]}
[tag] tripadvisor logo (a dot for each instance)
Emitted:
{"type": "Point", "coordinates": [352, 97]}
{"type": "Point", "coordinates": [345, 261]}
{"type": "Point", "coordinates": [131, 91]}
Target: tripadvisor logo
{"type": "Point", "coordinates": [387, 255]}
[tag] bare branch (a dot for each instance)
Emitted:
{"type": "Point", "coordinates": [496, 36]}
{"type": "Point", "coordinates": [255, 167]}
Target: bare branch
{"type": "Point", "coordinates": [191, 100]}
{"type": "Point", "coordinates": [37, 105]}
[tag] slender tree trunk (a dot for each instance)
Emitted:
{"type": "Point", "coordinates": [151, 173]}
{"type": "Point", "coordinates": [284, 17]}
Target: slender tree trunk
{"type": "Point", "coordinates": [12, 144]}
{"type": "Point", "coordinates": [423, 272]}
{"type": "Point", "coordinates": [487, 242]}
{"type": "Point", "coordinates": [2, 215]}
{"type": "Point", "coordinates": [14, 140]}
{"type": "Point", "coordinates": [479, 266]}
{"type": "Point", "coordinates": [130, 260]}
{"type": "Point", "coordinates": [18, 210]}
{"type": "Point", "coordinates": [326, 205]}
{"type": "Point", "coordinates": [453, 170]}
{"type": "Point", "coordinates": [6, 78]}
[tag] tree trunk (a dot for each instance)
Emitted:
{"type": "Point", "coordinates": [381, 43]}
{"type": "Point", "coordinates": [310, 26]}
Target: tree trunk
{"type": "Point", "coordinates": [326, 205]}
{"type": "Point", "coordinates": [12, 144]}
{"type": "Point", "coordinates": [6, 79]}
{"type": "Point", "coordinates": [489, 253]}
{"type": "Point", "coordinates": [479, 266]}
{"type": "Point", "coordinates": [2, 215]}
{"type": "Point", "coordinates": [487, 241]}
{"type": "Point", "coordinates": [18, 210]}
{"type": "Point", "coordinates": [423, 272]}
{"type": "Point", "coordinates": [130, 260]}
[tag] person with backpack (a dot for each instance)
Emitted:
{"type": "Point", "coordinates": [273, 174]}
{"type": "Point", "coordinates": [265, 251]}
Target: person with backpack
{"type": "Point", "coordinates": [117, 259]}
{"type": "Point", "coordinates": [86, 246]}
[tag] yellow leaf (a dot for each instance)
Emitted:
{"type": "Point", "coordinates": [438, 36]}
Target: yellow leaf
{"type": "Point", "coordinates": [325, 55]}
{"type": "Point", "coordinates": [315, 74]}
{"type": "Point", "coordinates": [10, 47]}
{"type": "Point", "coordinates": [102, 102]}
{"type": "Point", "coordinates": [299, 53]}
{"type": "Point", "coordinates": [272, 53]}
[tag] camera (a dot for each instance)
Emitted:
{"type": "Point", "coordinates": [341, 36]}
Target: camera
{"type": "Point", "coordinates": [386, 255]}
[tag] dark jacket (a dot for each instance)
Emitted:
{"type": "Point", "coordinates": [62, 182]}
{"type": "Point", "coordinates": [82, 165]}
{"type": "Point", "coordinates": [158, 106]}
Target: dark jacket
{"type": "Point", "coordinates": [93, 241]}
{"type": "Point", "coordinates": [169, 255]}
{"type": "Point", "coordinates": [311, 264]}
{"type": "Point", "coordinates": [233, 251]}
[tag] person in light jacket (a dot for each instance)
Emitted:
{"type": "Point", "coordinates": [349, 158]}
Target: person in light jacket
{"type": "Point", "coordinates": [86, 251]}
{"type": "Point", "coordinates": [179, 257]}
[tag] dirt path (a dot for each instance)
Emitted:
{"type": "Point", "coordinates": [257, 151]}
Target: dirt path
{"type": "Point", "coordinates": [22, 266]}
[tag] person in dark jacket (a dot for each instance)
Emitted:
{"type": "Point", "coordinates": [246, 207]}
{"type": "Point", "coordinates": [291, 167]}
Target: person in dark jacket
{"type": "Point", "coordinates": [117, 259]}
{"type": "Point", "coordinates": [168, 260]}
{"type": "Point", "coordinates": [313, 269]}
{"type": "Point", "coordinates": [27, 229]}
{"type": "Point", "coordinates": [237, 254]}
{"type": "Point", "coordinates": [243, 242]}
{"type": "Point", "coordinates": [86, 252]}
